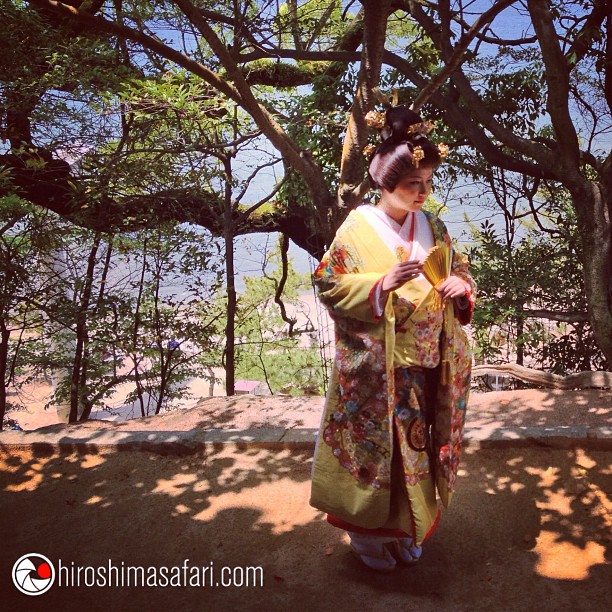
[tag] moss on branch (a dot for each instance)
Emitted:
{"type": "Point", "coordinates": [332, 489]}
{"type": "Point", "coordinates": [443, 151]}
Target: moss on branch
{"type": "Point", "coordinates": [281, 74]}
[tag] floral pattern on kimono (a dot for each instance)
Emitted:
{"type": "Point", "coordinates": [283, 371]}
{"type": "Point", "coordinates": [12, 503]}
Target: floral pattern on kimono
{"type": "Point", "coordinates": [409, 400]}
{"type": "Point", "coordinates": [449, 453]}
{"type": "Point", "coordinates": [428, 341]}
{"type": "Point", "coordinates": [360, 416]}
{"type": "Point", "coordinates": [402, 309]}
{"type": "Point", "coordinates": [358, 434]}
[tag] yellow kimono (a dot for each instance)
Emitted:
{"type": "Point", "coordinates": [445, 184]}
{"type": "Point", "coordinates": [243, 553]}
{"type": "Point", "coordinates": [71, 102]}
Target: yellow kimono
{"type": "Point", "coordinates": [372, 425]}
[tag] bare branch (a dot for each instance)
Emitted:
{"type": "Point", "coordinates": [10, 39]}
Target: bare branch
{"type": "Point", "coordinates": [284, 249]}
{"type": "Point", "coordinates": [608, 65]}
{"type": "Point", "coordinates": [557, 79]}
{"type": "Point", "coordinates": [244, 215]}
{"type": "Point", "coordinates": [247, 181]}
{"type": "Point", "coordinates": [577, 316]}
{"type": "Point", "coordinates": [459, 52]}
{"type": "Point", "coordinates": [462, 122]}
{"type": "Point", "coordinates": [583, 41]}
{"type": "Point", "coordinates": [548, 162]}
{"type": "Point", "coordinates": [321, 23]}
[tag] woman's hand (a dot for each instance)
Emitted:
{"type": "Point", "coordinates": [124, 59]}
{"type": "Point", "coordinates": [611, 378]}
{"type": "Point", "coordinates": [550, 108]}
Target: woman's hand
{"type": "Point", "coordinates": [452, 287]}
{"type": "Point", "coordinates": [401, 273]}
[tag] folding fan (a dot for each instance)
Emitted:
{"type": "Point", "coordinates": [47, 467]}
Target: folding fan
{"type": "Point", "coordinates": [436, 268]}
{"type": "Point", "coordinates": [437, 264]}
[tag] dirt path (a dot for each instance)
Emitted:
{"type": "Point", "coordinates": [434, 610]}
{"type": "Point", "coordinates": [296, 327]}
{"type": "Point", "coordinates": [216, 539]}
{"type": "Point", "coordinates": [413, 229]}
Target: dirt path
{"type": "Point", "coordinates": [528, 530]}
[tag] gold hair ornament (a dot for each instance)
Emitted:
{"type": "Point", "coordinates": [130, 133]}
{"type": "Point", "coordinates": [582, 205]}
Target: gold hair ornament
{"type": "Point", "coordinates": [378, 120]}
{"type": "Point", "coordinates": [375, 119]}
{"type": "Point", "coordinates": [387, 102]}
{"type": "Point", "coordinates": [442, 150]}
{"type": "Point", "coordinates": [369, 149]}
{"type": "Point", "coordinates": [417, 155]}
{"type": "Point", "coordinates": [422, 128]}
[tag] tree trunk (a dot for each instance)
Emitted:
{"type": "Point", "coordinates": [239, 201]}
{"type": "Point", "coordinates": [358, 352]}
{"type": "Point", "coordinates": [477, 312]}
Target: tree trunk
{"type": "Point", "coordinates": [88, 403]}
{"type": "Point", "coordinates": [230, 339]}
{"type": "Point", "coordinates": [164, 352]}
{"type": "Point", "coordinates": [77, 386]}
{"type": "Point", "coordinates": [163, 386]}
{"type": "Point", "coordinates": [4, 344]}
{"type": "Point", "coordinates": [520, 348]}
{"type": "Point", "coordinates": [230, 349]}
{"type": "Point", "coordinates": [134, 353]}
{"type": "Point", "coordinates": [352, 185]}
{"type": "Point", "coordinates": [211, 378]}
{"type": "Point", "coordinates": [593, 205]}
{"type": "Point", "coordinates": [579, 380]}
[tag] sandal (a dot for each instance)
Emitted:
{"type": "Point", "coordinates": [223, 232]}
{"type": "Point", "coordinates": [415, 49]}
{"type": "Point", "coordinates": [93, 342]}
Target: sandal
{"type": "Point", "coordinates": [405, 551]}
{"type": "Point", "coordinates": [376, 558]}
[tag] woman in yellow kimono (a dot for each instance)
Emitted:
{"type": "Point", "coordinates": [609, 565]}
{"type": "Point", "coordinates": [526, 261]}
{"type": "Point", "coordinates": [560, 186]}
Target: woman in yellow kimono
{"type": "Point", "coordinates": [391, 432]}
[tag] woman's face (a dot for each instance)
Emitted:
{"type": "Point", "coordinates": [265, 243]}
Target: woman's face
{"type": "Point", "coordinates": [409, 194]}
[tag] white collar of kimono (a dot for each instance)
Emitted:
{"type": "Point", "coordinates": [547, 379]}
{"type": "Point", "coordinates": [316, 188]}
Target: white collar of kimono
{"type": "Point", "coordinates": [395, 235]}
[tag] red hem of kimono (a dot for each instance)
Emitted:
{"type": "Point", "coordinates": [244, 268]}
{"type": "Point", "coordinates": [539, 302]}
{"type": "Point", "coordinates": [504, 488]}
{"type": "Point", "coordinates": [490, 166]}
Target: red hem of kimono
{"type": "Point", "coordinates": [381, 531]}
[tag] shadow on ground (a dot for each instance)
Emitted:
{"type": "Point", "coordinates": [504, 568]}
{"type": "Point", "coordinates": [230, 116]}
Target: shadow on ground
{"type": "Point", "coordinates": [540, 408]}
{"type": "Point", "coordinates": [528, 530]}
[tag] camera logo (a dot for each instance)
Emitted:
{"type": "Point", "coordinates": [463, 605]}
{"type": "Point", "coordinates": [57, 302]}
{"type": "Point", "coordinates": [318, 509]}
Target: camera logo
{"type": "Point", "coordinates": [33, 574]}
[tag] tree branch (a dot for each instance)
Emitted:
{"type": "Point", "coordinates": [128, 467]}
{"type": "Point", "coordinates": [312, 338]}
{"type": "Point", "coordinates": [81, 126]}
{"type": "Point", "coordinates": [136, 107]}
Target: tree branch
{"type": "Point", "coordinates": [327, 13]}
{"type": "Point", "coordinates": [245, 215]}
{"type": "Point", "coordinates": [599, 380]}
{"type": "Point", "coordinates": [281, 74]}
{"type": "Point", "coordinates": [352, 162]}
{"type": "Point", "coordinates": [564, 317]}
{"type": "Point", "coordinates": [11, 223]}
{"type": "Point", "coordinates": [478, 108]}
{"type": "Point", "coordinates": [284, 248]}
{"type": "Point", "coordinates": [458, 118]}
{"type": "Point", "coordinates": [608, 62]}
{"type": "Point", "coordinates": [100, 24]}
{"type": "Point", "coordinates": [335, 58]}
{"type": "Point", "coordinates": [459, 52]}
{"type": "Point", "coordinates": [265, 121]}
{"type": "Point", "coordinates": [557, 79]}
{"type": "Point", "coordinates": [583, 41]}
{"type": "Point", "coordinates": [240, 93]}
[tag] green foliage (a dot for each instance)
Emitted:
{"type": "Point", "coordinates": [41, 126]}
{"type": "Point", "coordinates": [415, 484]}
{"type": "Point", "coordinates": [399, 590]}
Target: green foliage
{"type": "Point", "coordinates": [264, 349]}
{"type": "Point", "coordinates": [56, 76]}
{"type": "Point", "coordinates": [317, 124]}
{"type": "Point", "coordinates": [150, 324]}
{"type": "Point", "coordinates": [283, 75]}
{"type": "Point", "coordinates": [534, 272]}
{"type": "Point", "coordinates": [312, 25]}
{"type": "Point", "coordinates": [513, 82]}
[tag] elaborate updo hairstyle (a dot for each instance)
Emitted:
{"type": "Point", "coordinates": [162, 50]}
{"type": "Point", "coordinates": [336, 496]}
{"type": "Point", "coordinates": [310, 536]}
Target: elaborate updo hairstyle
{"type": "Point", "coordinates": [404, 131]}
